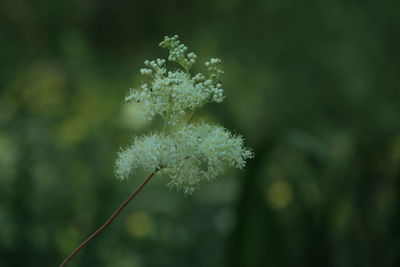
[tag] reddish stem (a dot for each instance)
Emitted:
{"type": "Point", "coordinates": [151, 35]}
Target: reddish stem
{"type": "Point", "coordinates": [113, 216]}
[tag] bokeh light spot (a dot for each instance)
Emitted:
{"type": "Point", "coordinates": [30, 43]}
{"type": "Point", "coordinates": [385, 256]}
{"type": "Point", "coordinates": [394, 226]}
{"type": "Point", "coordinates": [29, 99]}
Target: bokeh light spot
{"type": "Point", "coordinates": [72, 130]}
{"type": "Point", "coordinates": [138, 224]}
{"type": "Point", "coordinates": [132, 118]}
{"type": "Point", "coordinates": [279, 195]}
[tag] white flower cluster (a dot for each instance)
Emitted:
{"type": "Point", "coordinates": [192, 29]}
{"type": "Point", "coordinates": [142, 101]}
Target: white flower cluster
{"type": "Point", "coordinates": [172, 93]}
{"type": "Point", "coordinates": [187, 153]}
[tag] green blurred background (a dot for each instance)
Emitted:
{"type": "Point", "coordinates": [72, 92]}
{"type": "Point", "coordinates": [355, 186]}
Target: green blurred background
{"type": "Point", "coordinates": [312, 85]}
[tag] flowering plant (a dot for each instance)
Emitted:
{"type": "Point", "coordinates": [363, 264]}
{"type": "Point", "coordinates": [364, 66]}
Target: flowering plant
{"type": "Point", "coordinates": [187, 152]}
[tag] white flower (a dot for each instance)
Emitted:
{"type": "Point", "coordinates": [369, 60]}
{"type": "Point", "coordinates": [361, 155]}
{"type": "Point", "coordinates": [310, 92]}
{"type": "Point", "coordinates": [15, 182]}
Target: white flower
{"type": "Point", "coordinates": [191, 154]}
{"type": "Point", "coordinates": [145, 152]}
{"type": "Point", "coordinates": [171, 94]}
{"type": "Point", "coordinates": [187, 153]}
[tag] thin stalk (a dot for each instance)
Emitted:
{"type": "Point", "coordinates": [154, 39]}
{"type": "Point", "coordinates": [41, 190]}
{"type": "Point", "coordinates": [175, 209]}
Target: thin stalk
{"type": "Point", "coordinates": [166, 118]}
{"type": "Point", "coordinates": [109, 220]}
{"type": "Point", "coordinates": [164, 127]}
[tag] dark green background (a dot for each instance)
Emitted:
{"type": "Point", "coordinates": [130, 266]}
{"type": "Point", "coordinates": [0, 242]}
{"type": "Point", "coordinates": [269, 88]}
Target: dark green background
{"type": "Point", "coordinates": [312, 85]}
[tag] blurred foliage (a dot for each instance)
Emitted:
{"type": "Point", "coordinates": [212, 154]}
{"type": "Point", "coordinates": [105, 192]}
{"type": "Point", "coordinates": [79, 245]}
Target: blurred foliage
{"type": "Point", "coordinates": [313, 86]}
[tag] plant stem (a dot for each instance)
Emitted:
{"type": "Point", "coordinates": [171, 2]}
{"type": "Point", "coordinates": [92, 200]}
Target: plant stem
{"type": "Point", "coordinates": [166, 119]}
{"type": "Point", "coordinates": [109, 220]}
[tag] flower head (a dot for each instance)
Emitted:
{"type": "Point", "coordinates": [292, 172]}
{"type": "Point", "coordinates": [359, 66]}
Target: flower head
{"type": "Point", "coordinates": [187, 153]}
{"type": "Point", "coordinates": [191, 154]}
{"type": "Point", "coordinates": [171, 94]}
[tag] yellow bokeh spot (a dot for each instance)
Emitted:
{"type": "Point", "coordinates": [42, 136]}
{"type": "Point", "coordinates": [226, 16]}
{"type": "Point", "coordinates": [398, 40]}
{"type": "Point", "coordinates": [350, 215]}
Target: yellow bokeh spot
{"type": "Point", "coordinates": [72, 130]}
{"type": "Point", "coordinates": [279, 195]}
{"type": "Point", "coordinates": [138, 224]}
{"type": "Point", "coordinates": [42, 88]}
{"type": "Point", "coordinates": [396, 149]}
